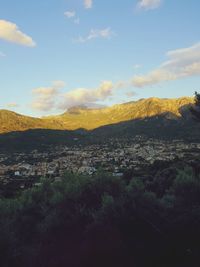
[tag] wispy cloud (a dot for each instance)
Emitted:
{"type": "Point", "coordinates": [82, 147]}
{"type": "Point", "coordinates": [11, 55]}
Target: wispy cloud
{"type": "Point", "coordinates": [70, 14]}
{"type": "Point", "coordinates": [45, 97]}
{"type": "Point", "coordinates": [95, 34]}
{"type": "Point", "coordinates": [12, 105]}
{"type": "Point", "coordinates": [148, 4]}
{"type": "Point", "coordinates": [11, 33]}
{"type": "Point", "coordinates": [88, 4]}
{"type": "Point", "coordinates": [181, 63]}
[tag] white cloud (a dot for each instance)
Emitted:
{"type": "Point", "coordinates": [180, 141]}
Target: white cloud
{"type": "Point", "coordinates": [84, 96]}
{"type": "Point", "coordinates": [45, 97]}
{"type": "Point", "coordinates": [70, 14]}
{"type": "Point", "coordinates": [11, 33]}
{"type": "Point", "coordinates": [88, 4]}
{"type": "Point", "coordinates": [52, 98]}
{"type": "Point", "coordinates": [149, 4]}
{"type": "Point", "coordinates": [95, 33]}
{"type": "Point", "coordinates": [181, 63]}
{"type": "Point", "coordinates": [45, 92]}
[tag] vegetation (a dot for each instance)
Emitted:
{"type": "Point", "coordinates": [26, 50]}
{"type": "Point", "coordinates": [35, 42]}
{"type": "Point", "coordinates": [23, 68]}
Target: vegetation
{"type": "Point", "coordinates": [103, 220]}
{"type": "Point", "coordinates": [196, 109]}
{"type": "Point", "coordinates": [39, 139]}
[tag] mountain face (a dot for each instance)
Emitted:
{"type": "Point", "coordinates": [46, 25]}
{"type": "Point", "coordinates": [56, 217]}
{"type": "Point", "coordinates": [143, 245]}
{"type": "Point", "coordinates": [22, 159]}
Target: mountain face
{"type": "Point", "coordinates": [90, 119]}
{"type": "Point", "coordinates": [11, 121]}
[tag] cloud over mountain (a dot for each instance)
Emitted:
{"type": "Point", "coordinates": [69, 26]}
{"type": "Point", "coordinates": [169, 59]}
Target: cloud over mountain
{"type": "Point", "coordinates": [49, 98]}
{"type": "Point", "coordinates": [45, 97]}
{"type": "Point", "coordinates": [86, 96]}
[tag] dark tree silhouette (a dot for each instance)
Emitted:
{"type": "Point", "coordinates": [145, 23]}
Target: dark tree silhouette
{"type": "Point", "coordinates": [195, 110]}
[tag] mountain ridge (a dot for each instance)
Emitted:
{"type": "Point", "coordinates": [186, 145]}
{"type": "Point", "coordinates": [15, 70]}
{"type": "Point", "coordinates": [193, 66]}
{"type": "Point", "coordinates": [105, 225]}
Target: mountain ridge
{"type": "Point", "coordinates": [93, 118]}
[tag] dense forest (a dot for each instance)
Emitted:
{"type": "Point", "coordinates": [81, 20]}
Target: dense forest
{"type": "Point", "coordinates": [103, 220]}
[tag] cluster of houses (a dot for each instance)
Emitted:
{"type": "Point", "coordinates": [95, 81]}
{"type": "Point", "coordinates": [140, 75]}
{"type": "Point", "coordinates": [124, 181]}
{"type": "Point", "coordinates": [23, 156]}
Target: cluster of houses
{"type": "Point", "coordinates": [115, 156]}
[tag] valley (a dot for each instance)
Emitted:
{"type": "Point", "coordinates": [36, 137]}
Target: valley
{"type": "Point", "coordinates": [21, 170]}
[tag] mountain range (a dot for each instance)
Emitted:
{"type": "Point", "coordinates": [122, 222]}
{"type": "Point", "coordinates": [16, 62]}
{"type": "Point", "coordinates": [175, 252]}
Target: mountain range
{"type": "Point", "coordinates": [90, 119]}
{"type": "Point", "coordinates": [165, 119]}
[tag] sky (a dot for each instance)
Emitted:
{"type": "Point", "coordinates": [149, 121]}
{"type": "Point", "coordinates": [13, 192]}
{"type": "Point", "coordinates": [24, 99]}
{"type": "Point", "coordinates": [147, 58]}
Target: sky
{"type": "Point", "coordinates": [55, 54]}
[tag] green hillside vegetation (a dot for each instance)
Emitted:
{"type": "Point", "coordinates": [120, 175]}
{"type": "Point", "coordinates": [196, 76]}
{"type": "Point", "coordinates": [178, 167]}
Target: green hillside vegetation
{"type": "Point", "coordinates": [103, 220]}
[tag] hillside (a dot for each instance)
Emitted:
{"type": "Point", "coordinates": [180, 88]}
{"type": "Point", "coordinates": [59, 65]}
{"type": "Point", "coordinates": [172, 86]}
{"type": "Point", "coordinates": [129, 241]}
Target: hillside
{"type": "Point", "coordinates": [93, 118]}
{"type": "Point", "coordinates": [89, 119]}
{"type": "Point", "coordinates": [11, 121]}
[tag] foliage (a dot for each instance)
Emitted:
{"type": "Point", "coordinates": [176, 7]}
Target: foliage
{"type": "Point", "coordinates": [102, 220]}
{"type": "Point", "coordinates": [196, 109]}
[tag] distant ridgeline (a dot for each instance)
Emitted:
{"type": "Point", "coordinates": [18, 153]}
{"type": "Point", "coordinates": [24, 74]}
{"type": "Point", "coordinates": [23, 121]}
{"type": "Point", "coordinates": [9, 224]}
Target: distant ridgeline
{"type": "Point", "coordinates": [153, 117]}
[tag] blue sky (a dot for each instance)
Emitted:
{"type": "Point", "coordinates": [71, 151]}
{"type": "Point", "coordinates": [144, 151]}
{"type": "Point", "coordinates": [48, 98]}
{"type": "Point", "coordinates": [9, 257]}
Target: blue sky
{"type": "Point", "coordinates": [58, 53]}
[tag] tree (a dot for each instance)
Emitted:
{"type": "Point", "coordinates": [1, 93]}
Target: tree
{"type": "Point", "coordinates": [195, 110]}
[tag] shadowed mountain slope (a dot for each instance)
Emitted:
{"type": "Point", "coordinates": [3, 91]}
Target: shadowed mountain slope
{"type": "Point", "coordinates": [90, 119]}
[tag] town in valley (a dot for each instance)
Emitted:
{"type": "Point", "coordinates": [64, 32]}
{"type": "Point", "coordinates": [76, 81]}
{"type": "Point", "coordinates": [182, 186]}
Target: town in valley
{"type": "Point", "coordinates": [25, 169]}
